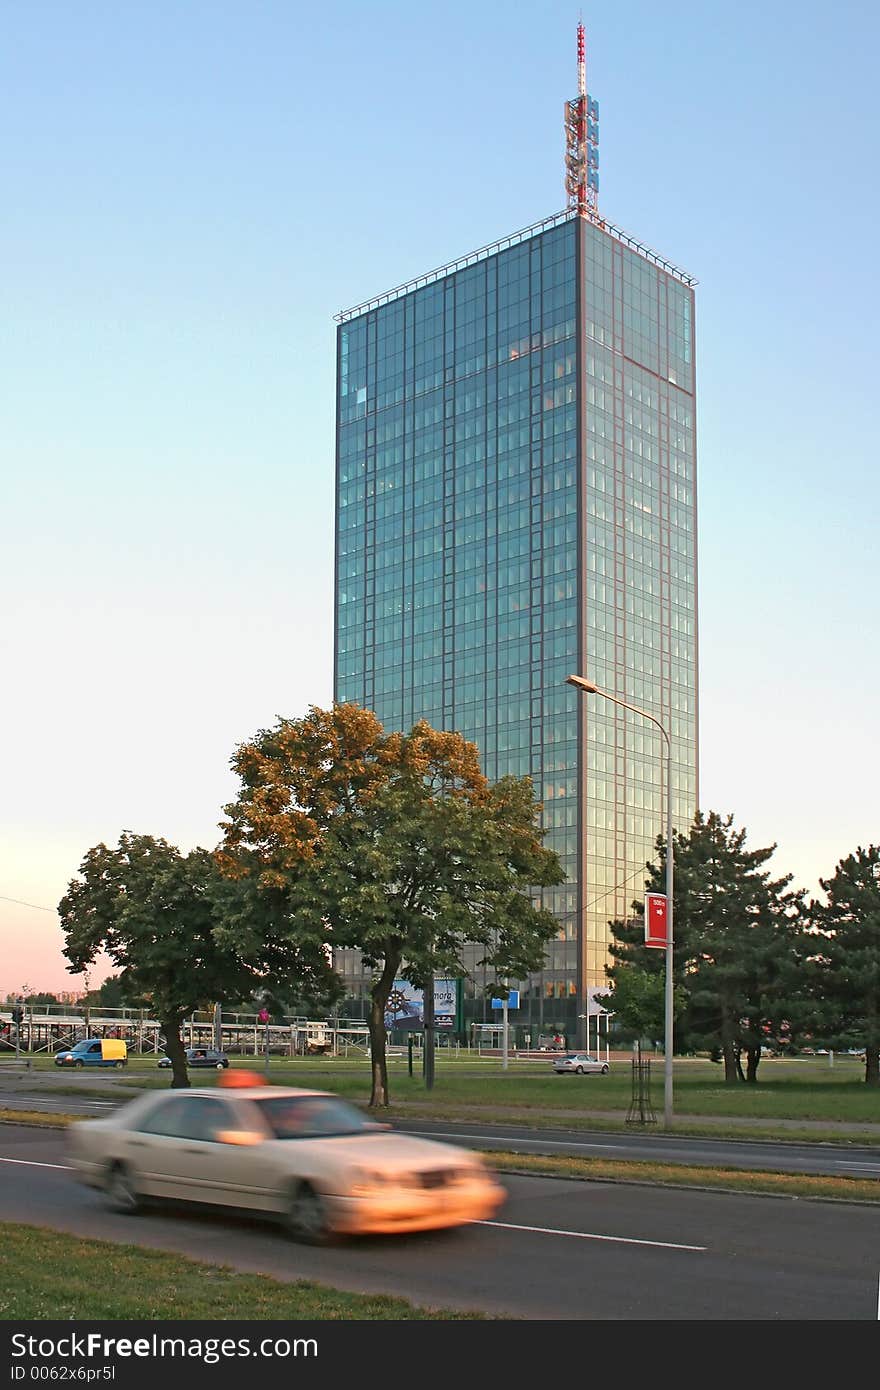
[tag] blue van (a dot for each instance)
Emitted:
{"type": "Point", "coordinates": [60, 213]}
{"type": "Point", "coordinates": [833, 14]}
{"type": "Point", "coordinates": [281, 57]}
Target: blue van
{"type": "Point", "coordinates": [94, 1052]}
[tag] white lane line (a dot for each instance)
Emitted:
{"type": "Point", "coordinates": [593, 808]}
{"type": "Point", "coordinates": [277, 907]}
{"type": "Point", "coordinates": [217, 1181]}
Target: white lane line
{"type": "Point", "coordinates": [503, 1139]}
{"type": "Point", "coordinates": [588, 1235]}
{"type": "Point", "coordinates": [32, 1163]}
{"type": "Point", "coordinates": [871, 1167]}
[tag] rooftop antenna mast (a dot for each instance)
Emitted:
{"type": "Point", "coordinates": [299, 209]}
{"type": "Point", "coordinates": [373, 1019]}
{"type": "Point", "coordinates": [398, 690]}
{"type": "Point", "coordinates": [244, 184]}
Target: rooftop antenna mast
{"type": "Point", "coordinates": [582, 143]}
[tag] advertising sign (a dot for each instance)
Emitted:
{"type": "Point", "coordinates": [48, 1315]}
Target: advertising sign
{"type": "Point", "coordinates": [405, 1007]}
{"type": "Point", "coordinates": [655, 920]}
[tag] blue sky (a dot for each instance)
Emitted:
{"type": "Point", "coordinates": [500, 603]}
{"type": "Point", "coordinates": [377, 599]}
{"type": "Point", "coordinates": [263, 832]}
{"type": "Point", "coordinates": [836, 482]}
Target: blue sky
{"type": "Point", "coordinates": [192, 191]}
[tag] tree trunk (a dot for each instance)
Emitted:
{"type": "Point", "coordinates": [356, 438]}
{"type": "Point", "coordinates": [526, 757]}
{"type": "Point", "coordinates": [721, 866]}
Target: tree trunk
{"type": "Point", "coordinates": [378, 1000]}
{"type": "Point", "coordinates": [740, 1074]}
{"type": "Point", "coordinates": [753, 1057]}
{"type": "Point", "coordinates": [872, 1066]}
{"type": "Point", "coordinates": [175, 1049]}
{"type": "Point", "coordinates": [728, 1051]}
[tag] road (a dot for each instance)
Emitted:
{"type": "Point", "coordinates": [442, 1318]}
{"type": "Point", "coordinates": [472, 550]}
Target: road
{"type": "Point", "coordinates": [851, 1161]}
{"type": "Point", "coordinates": [559, 1249]}
{"type": "Point", "coordinates": [854, 1161]}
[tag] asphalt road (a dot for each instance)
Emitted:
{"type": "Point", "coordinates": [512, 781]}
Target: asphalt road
{"type": "Point", "coordinates": [829, 1159]}
{"type": "Point", "coordinates": [559, 1249]}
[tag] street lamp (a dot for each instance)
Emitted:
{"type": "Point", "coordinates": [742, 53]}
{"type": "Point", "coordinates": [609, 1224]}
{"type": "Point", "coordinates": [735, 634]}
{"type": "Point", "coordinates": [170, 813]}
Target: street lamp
{"type": "Point", "coordinates": [590, 688]}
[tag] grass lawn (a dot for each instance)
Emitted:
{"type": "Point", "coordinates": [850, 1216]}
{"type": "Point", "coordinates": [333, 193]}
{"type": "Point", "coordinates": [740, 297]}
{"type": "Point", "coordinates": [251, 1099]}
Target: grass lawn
{"type": "Point", "coordinates": [793, 1089]}
{"type": "Point", "coordinates": [44, 1274]}
{"type": "Point", "coordinates": [676, 1175]}
{"type": "Point", "coordinates": [796, 1089]}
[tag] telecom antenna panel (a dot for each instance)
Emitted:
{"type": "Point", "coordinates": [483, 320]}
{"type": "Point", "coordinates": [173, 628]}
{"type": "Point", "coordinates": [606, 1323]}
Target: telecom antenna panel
{"type": "Point", "coordinates": [582, 143]}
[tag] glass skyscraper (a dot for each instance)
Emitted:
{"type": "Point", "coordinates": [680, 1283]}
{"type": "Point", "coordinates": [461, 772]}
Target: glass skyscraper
{"type": "Point", "coordinates": [516, 501]}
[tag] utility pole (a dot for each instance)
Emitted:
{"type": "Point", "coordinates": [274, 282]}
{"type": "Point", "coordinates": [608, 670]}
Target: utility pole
{"type": "Point", "coordinates": [428, 1028]}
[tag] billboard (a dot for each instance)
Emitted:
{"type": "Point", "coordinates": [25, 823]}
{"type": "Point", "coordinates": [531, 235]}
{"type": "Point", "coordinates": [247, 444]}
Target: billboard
{"type": "Point", "coordinates": [405, 1007]}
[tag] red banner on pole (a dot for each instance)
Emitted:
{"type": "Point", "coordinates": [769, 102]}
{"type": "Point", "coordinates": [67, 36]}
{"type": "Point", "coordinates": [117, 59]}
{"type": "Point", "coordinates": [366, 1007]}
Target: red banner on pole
{"type": "Point", "coordinates": [655, 920]}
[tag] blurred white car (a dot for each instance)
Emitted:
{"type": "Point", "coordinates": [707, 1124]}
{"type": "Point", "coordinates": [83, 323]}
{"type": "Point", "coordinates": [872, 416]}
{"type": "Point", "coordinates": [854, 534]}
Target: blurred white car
{"type": "Point", "coordinates": [307, 1156]}
{"type": "Point", "coordinates": [580, 1063]}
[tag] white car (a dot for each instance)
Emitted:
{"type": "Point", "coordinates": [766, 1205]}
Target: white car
{"type": "Point", "coordinates": [308, 1157]}
{"type": "Point", "coordinates": [582, 1063]}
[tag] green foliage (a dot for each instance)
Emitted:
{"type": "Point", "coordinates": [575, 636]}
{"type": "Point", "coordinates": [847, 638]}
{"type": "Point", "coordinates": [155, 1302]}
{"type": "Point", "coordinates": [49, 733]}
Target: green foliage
{"type": "Point", "coordinates": [736, 933]}
{"type": "Point", "coordinates": [394, 844]}
{"type": "Point", "coordinates": [181, 934]}
{"type": "Point", "coordinates": [638, 1002]}
{"type": "Point", "coordinates": [846, 956]}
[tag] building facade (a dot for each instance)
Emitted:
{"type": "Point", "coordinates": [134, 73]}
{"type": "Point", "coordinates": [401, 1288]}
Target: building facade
{"type": "Point", "coordinates": [515, 502]}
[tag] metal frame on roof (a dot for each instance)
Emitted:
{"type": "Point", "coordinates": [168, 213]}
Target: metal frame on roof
{"type": "Point", "coordinates": [554, 220]}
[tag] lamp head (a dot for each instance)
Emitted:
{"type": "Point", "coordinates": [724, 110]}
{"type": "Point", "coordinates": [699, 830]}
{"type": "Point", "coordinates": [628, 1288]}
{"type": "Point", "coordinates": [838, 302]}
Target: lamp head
{"type": "Point", "coordinates": [581, 683]}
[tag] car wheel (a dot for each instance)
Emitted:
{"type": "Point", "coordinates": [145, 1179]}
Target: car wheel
{"type": "Point", "coordinates": [79, 1062]}
{"type": "Point", "coordinates": [219, 1066]}
{"type": "Point", "coordinates": [121, 1191]}
{"type": "Point", "coordinates": [119, 1064]}
{"type": "Point", "coordinates": [306, 1218]}
{"type": "Point", "coordinates": [605, 1071]}
{"type": "Point", "coordinates": [579, 1070]}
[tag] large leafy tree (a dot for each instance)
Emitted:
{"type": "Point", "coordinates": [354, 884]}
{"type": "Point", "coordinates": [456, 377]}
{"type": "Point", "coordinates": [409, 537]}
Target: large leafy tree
{"type": "Point", "coordinates": [181, 935]}
{"type": "Point", "coordinates": [846, 954]}
{"type": "Point", "coordinates": [736, 934]}
{"type": "Point", "coordinates": [394, 844]}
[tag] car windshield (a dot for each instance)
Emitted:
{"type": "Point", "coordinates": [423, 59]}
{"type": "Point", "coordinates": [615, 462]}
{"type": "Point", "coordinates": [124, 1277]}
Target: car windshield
{"type": "Point", "coordinates": [312, 1117]}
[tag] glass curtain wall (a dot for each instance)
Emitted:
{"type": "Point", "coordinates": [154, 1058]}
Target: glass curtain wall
{"type": "Point", "coordinates": [461, 580]}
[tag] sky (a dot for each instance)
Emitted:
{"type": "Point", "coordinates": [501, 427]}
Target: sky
{"type": "Point", "coordinates": [192, 191]}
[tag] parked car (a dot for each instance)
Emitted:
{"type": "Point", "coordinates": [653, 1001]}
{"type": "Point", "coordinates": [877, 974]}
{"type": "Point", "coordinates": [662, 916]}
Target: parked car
{"type": "Point", "coordinates": [94, 1052]}
{"type": "Point", "coordinates": [201, 1057]}
{"type": "Point", "coordinates": [306, 1157]}
{"type": "Point", "coordinates": [582, 1063]}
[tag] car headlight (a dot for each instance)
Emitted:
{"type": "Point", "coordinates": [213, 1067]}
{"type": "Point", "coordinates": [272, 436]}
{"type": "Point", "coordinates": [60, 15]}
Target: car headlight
{"type": "Point", "coordinates": [365, 1181]}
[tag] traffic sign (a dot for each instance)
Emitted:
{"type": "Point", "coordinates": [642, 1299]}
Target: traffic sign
{"type": "Point", "coordinates": [512, 1001]}
{"type": "Point", "coordinates": [655, 920]}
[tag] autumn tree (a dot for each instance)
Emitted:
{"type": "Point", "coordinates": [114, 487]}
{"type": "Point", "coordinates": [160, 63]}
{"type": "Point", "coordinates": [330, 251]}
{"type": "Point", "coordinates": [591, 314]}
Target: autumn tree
{"type": "Point", "coordinates": [846, 956]}
{"type": "Point", "coordinates": [394, 844]}
{"type": "Point", "coordinates": [181, 935]}
{"type": "Point", "coordinates": [735, 935]}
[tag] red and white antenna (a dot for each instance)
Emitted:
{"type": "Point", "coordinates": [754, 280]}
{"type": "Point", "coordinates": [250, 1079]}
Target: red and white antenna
{"type": "Point", "coordinates": [582, 142]}
{"type": "Point", "coordinates": [582, 62]}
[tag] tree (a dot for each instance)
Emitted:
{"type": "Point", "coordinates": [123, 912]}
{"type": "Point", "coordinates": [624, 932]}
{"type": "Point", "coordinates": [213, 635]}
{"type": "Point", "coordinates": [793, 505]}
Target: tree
{"type": "Point", "coordinates": [182, 935]}
{"type": "Point", "coordinates": [394, 844]}
{"type": "Point", "coordinates": [847, 953]}
{"type": "Point", "coordinates": [735, 934]}
{"type": "Point", "coordinates": [638, 1002]}
{"type": "Point", "coordinates": [111, 993]}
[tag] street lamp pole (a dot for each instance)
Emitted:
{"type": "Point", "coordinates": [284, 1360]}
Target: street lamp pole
{"type": "Point", "coordinates": [590, 688]}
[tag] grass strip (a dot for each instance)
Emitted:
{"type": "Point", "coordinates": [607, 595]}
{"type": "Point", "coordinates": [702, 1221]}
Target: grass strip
{"type": "Point", "coordinates": [46, 1274]}
{"type": "Point", "coordinates": [681, 1175]}
{"type": "Point", "coordinates": [49, 1119]}
{"type": "Point", "coordinates": [538, 1120]}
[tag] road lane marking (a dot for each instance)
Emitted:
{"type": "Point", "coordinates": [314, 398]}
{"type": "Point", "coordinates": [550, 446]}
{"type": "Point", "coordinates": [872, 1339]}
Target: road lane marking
{"type": "Point", "coordinates": [871, 1167]}
{"type": "Point", "coordinates": [32, 1163]}
{"type": "Point", "coordinates": [508, 1139]}
{"type": "Point", "coordinates": [588, 1235]}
